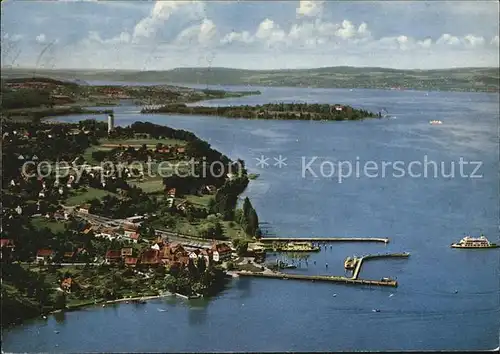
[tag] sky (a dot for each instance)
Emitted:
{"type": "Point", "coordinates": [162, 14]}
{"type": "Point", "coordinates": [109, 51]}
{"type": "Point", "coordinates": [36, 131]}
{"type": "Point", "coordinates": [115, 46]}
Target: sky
{"type": "Point", "coordinates": [162, 35]}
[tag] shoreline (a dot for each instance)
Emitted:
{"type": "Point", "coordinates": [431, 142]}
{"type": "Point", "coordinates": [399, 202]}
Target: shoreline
{"type": "Point", "coordinates": [124, 300]}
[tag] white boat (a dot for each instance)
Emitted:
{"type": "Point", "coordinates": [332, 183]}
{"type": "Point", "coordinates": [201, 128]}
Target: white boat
{"type": "Point", "coordinates": [435, 122]}
{"type": "Point", "coordinates": [471, 242]}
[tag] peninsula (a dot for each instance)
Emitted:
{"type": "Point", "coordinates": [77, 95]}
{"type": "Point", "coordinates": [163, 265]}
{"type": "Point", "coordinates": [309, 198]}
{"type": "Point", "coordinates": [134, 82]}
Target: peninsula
{"type": "Point", "coordinates": [38, 97]}
{"type": "Point", "coordinates": [280, 111]}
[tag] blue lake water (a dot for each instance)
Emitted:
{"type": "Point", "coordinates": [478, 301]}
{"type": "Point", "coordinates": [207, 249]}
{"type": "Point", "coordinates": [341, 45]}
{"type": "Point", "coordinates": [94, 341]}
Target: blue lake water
{"type": "Point", "coordinates": [446, 298]}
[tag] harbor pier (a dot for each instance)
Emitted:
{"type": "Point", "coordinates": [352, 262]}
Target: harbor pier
{"type": "Point", "coordinates": [322, 278]}
{"type": "Point", "coordinates": [324, 239]}
{"type": "Point", "coordinates": [356, 263]}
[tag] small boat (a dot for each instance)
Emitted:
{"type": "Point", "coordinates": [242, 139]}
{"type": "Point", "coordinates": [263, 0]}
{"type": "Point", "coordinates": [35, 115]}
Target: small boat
{"type": "Point", "coordinates": [162, 310]}
{"type": "Point", "coordinates": [334, 295]}
{"type": "Point", "coordinates": [471, 242]}
{"type": "Point", "coordinates": [391, 295]}
{"type": "Point", "coordinates": [435, 122]}
{"type": "Point", "coordinates": [375, 310]}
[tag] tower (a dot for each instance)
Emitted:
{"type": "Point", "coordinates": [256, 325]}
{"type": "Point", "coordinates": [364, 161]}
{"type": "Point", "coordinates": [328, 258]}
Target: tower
{"type": "Point", "coordinates": [111, 123]}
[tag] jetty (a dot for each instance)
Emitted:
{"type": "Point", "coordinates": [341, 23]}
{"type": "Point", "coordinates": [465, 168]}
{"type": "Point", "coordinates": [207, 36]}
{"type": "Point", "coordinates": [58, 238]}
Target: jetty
{"type": "Point", "coordinates": [322, 278]}
{"type": "Point", "coordinates": [324, 239]}
{"type": "Point", "coordinates": [356, 263]}
{"type": "Point", "coordinates": [350, 263]}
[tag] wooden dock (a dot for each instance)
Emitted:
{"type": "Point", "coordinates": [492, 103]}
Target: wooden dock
{"type": "Point", "coordinates": [322, 278]}
{"type": "Point", "coordinates": [324, 239]}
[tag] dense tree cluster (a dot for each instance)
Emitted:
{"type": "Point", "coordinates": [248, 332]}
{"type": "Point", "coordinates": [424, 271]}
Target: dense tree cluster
{"type": "Point", "coordinates": [249, 220]}
{"type": "Point", "coordinates": [226, 197]}
{"type": "Point", "coordinates": [299, 111]}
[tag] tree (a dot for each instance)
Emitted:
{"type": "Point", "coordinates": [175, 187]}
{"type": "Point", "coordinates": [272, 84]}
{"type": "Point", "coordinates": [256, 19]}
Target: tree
{"type": "Point", "coordinates": [60, 301]}
{"type": "Point", "coordinates": [241, 246]}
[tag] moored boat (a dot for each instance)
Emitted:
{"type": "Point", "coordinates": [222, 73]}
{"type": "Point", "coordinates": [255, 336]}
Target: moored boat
{"type": "Point", "coordinates": [474, 242]}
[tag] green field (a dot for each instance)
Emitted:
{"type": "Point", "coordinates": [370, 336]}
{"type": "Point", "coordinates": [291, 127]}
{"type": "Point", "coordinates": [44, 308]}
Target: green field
{"type": "Point", "coordinates": [54, 226]}
{"type": "Point", "coordinates": [199, 200]}
{"type": "Point", "coordinates": [154, 185]}
{"type": "Point", "coordinates": [82, 197]}
{"type": "Point", "coordinates": [233, 232]}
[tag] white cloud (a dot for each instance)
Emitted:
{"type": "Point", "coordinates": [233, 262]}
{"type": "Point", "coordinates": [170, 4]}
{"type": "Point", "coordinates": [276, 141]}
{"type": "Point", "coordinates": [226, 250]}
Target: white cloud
{"type": "Point", "coordinates": [41, 38]}
{"type": "Point", "coordinates": [203, 33]}
{"type": "Point", "coordinates": [244, 37]}
{"type": "Point", "coordinates": [348, 30]}
{"type": "Point", "coordinates": [494, 41]}
{"type": "Point", "coordinates": [308, 34]}
{"type": "Point", "coordinates": [122, 38]}
{"type": "Point", "coordinates": [309, 8]}
{"type": "Point", "coordinates": [270, 33]}
{"type": "Point", "coordinates": [166, 34]}
{"type": "Point", "coordinates": [473, 41]}
{"type": "Point", "coordinates": [161, 13]}
{"type": "Point", "coordinates": [426, 43]}
{"type": "Point", "coordinates": [12, 38]}
{"type": "Point", "coordinates": [448, 39]}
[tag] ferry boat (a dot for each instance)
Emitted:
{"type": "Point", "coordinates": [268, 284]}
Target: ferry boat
{"type": "Point", "coordinates": [434, 122]}
{"type": "Point", "coordinates": [471, 242]}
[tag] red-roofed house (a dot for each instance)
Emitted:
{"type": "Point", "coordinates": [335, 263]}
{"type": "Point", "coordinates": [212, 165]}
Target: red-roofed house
{"type": "Point", "coordinates": [171, 192]}
{"type": "Point", "coordinates": [7, 247]}
{"type": "Point", "coordinates": [44, 255]}
{"type": "Point", "coordinates": [131, 261]}
{"type": "Point", "coordinates": [208, 255]}
{"type": "Point", "coordinates": [113, 256]}
{"type": "Point", "coordinates": [6, 243]}
{"type": "Point", "coordinates": [130, 227]}
{"type": "Point", "coordinates": [68, 285]}
{"type": "Point", "coordinates": [221, 252]}
{"type": "Point", "coordinates": [131, 236]}
{"type": "Point", "coordinates": [150, 258]}
{"type": "Point", "coordinates": [69, 256]}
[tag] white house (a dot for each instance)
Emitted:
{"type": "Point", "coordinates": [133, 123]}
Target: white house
{"type": "Point", "coordinates": [221, 252]}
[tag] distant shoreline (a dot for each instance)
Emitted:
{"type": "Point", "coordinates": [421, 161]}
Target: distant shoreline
{"type": "Point", "coordinates": [484, 79]}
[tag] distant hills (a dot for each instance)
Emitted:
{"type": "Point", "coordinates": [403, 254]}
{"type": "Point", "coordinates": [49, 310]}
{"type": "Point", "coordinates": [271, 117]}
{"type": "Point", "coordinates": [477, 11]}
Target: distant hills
{"type": "Point", "coordinates": [460, 79]}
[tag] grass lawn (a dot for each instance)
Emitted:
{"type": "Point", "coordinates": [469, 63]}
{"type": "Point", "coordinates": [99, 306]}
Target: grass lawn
{"type": "Point", "coordinates": [87, 155]}
{"type": "Point", "coordinates": [82, 197]}
{"type": "Point", "coordinates": [199, 200]}
{"type": "Point", "coordinates": [233, 232]}
{"type": "Point", "coordinates": [184, 227]}
{"type": "Point", "coordinates": [153, 185]}
{"type": "Point", "coordinates": [54, 226]}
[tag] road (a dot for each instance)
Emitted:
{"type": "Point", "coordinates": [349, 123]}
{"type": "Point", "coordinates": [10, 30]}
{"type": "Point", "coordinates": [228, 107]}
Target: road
{"type": "Point", "coordinates": [170, 236]}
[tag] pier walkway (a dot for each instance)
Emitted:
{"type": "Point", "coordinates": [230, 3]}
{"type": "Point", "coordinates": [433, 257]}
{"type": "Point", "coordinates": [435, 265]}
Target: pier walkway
{"type": "Point", "coordinates": [323, 278]}
{"type": "Point", "coordinates": [359, 261]}
{"type": "Point", "coordinates": [324, 239]}
{"type": "Point", "coordinates": [356, 262]}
